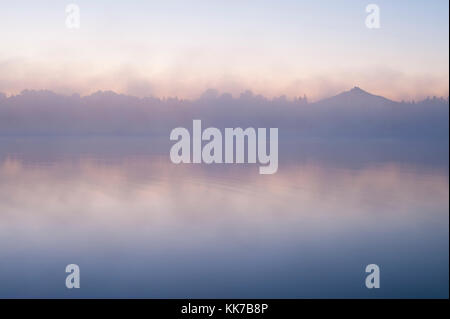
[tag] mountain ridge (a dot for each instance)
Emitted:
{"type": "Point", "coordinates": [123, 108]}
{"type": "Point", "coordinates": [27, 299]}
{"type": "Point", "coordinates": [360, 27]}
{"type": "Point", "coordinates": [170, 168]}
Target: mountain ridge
{"type": "Point", "coordinates": [355, 94]}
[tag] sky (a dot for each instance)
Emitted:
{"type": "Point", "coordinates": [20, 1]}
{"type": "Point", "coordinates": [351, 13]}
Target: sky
{"type": "Point", "coordinates": [182, 48]}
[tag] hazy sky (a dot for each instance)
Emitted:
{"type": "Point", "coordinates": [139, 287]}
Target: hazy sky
{"type": "Point", "coordinates": [181, 48]}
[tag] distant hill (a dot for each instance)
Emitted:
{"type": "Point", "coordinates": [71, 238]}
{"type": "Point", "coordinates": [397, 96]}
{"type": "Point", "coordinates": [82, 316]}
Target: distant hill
{"type": "Point", "coordinates": [356, 97]}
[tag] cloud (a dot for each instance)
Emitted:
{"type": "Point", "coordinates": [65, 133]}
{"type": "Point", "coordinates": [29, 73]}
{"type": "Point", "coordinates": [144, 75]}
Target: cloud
{"type": "Point", "coordinates": [189, 82]}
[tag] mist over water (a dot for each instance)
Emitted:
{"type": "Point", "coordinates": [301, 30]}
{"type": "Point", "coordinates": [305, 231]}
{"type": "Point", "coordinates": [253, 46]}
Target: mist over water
{"type": "Point", "coordinates": [340, 117]}
{"type": "Point", "coordinates": [140, 226]}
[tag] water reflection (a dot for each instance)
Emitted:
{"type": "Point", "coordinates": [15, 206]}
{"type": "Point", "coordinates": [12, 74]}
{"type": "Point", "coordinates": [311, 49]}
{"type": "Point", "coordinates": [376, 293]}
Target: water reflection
{"type": "Point", "coordinates": [140, 226]}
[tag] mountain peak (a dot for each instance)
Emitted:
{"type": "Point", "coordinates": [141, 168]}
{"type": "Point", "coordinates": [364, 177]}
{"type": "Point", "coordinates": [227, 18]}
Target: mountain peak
{"type": "Point", "coordinates": [356, 96]}
{"type": "Point", "coordinates": [359, 91]}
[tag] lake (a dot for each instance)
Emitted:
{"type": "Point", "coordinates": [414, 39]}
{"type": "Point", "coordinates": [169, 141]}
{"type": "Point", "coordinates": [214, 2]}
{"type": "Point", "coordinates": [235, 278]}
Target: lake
{"type": "Point", "coordinates": [140, 226]}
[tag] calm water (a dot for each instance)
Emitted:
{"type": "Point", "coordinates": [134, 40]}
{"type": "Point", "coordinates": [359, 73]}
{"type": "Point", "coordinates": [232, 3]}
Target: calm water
{"type": "Point", "coordinates": [140, 226]}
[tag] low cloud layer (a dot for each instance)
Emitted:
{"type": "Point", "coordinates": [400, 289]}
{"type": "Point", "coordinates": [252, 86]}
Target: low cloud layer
{"type": "Point", "coordinates": [86, 78]}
